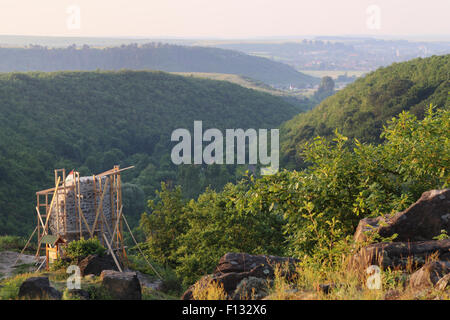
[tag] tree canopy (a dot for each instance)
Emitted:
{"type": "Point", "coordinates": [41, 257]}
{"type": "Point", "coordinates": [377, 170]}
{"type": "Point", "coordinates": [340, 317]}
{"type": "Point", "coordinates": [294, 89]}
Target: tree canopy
{"type": "Point", "coordinates": [93, 120]}
{"type": "Point", "coordinates": [153, 56]}
{"type": "Point", "coordinates": [362, 108]}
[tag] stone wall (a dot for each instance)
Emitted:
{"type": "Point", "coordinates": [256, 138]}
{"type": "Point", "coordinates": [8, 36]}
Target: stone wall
{"type": "Point", "coordinates": [89, 202]}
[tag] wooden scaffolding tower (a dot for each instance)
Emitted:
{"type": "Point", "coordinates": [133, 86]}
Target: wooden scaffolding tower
{"type": "Point", "coordinates": [52, 205]}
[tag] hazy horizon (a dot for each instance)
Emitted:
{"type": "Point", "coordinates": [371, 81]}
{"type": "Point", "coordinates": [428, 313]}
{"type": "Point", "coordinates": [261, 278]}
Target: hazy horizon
{"type": "Point", "coordinates": [233, 19]}
{"type": "Point", "coordinates": [299, 37]}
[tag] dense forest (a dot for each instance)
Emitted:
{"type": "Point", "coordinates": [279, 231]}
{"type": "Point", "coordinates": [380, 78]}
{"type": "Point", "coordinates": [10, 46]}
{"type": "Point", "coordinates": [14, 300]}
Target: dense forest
{"type": "Point", "coordinates": [153, 56]}
{"type": "Point", "coordinates": [93, 120]}
{"type": "Point", "coordinates": [362, 108]}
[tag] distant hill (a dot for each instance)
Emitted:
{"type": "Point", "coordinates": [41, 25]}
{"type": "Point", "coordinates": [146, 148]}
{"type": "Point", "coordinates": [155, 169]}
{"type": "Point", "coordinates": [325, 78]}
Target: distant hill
{"type": "Point", "coordinates": [240, 80]}
{"type": "Point", "coordinates": [298, 99]}
{"type": "Point", "coordinates": [93, 120]}
{"type": "Point", "coordinates": [337, 53]}
{"type": "Point", "coordinates": [154, 56]}
{"type": "Point", "coordinates": [362, 108]}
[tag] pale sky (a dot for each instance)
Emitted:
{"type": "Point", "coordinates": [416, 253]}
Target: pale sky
{"type": "Point", "coordinates": [223, 18]}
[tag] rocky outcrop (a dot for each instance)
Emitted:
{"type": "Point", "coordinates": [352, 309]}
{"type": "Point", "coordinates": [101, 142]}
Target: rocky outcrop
{"type": "Point", "coordinates": [367, 226]}
{"type": "Point", "coordinates": [443, 283]}
{"type": "Point", "coordinates": [121, 285]}
{"type": "Point", "coordinates": [422, 221]}
{"type": "Point", "coordinates": [416, 229]}
{"type": "Point", "coordinates": [244, 262]}
{"type": "Point", "coordinates": [95, 264]}
{"type": "Point", "coordinates": [401, 254]}
{"type": "Point", "coordinates": [233, 268]}
{"type": "Point", "coordinates": [430, 274]}
{"type": "Point", "coordinates": [38, 288]}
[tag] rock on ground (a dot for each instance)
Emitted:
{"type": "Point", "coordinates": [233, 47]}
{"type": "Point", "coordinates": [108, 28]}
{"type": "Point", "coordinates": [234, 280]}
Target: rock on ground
{"type": "Point", "coordinates": [429, 275]}
{"type": "Point", "coordinates": [38, 288]}
{"type": "Point", "coordinates": [416, 229]}
{"type": "Point", "coordinates": [423, 220]}
{"type": "Point", "coordinates": [233, 268]}
{"type": "Point", "coordinates": [401, 254]}
{"type": "Point", "coordinates": [244, 262]}
{"type": "Point", "coordinates": [121, 285]}
{"type": "Point", "coordinates": [95, 264]}
{"type": "Point", "coordinates": [443, 283]}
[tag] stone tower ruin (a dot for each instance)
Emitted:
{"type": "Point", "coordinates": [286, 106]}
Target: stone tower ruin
{"type": "Point", "coordinates": [82, 208]}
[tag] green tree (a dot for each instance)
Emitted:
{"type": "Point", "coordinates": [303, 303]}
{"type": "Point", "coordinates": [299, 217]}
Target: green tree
{"type": "Point", "coordinates": [234, 220]}
{"type": "Point", "coordinates": [326, 88]}
{"type": "Point", "coordinates": [133, 199]}
{"type": "Point", "coordinates": [164, 225]}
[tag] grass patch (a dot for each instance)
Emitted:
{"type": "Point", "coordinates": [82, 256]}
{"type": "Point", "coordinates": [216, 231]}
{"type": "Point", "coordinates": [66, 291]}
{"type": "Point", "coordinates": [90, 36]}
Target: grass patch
{"type": "Point", "coordinates": [97, 292]}
{"type": "Point", "coordinates": [9, 288]}
{"type": "Point", "coordinates": [208, 290]}
{"type": "Point", "coordinates": [24, 268]}
{"type": "Point", "coordinates": [307, 282]}
{"type": "Point", "coordinates": [151, 294]}
{"type": "Point", "coordinates": [67, 295]}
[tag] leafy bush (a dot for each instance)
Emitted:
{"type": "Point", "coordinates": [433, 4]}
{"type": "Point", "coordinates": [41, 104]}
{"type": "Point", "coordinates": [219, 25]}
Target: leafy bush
{"type": "Point", "coordinates": [59, 264]}
{"type": "Point", "coordinates": [348, 181]}
{"type": "Point", "coordinates": [11, 243]}
{"type": "Point", "coordinates": [310, 214]}
{"type": "Point", "coordinates": [237, 219]}
{"type": "Point", "coordinates": [191, 237]}
{"type": "Point", "coordinates": [171, 283]}
{"type": "Point", "coordinates": [138, 263]}
{"type": "Point", "coordinates": [164, 225]}
{"type": "Point", "coordinates": [443, 236]}
{"type": "Point", "coordinates": [80, 249]}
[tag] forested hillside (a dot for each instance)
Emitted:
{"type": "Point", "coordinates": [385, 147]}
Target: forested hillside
{"type": "Point", "coordinates": [361, 109]}
{"type": "Point", "coordinates": [153, 56]}
{"type": "Point", "coordinates": [93, 120]}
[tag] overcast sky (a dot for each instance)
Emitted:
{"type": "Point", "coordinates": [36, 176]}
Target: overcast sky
{"type": "Point", "coordinates": [223, 18]}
